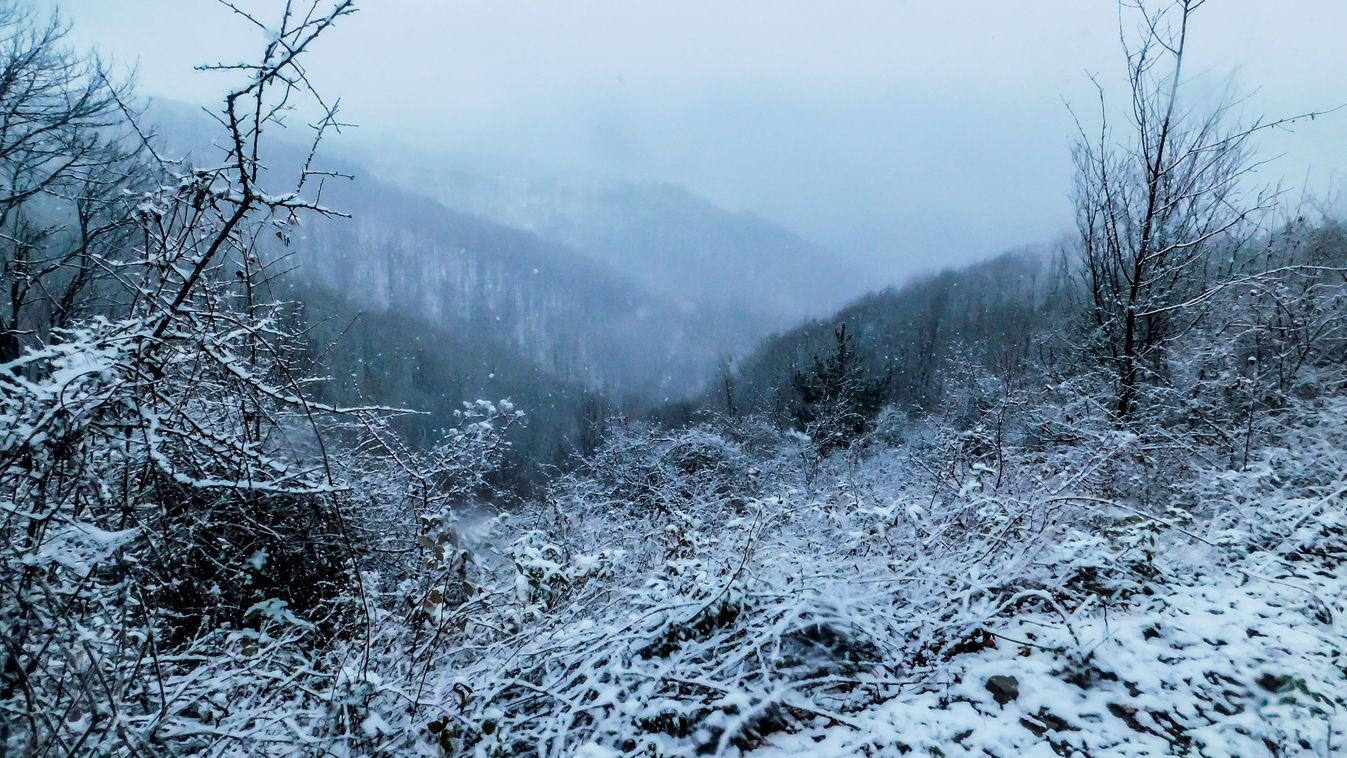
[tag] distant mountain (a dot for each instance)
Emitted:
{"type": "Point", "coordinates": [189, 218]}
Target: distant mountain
{"type": "Point", "coordinates": [570, 313]}
{"type": "Point", "coordinates": [415, 304]}
{"type": "Point", "coordinates": [575, 318]}
{"type": "Point", "coordinates": [670, 241]}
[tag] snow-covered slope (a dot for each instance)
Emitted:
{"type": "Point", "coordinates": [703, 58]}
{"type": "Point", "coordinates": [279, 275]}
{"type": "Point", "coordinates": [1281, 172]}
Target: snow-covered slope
{"type": "Point", "coordinates": [1246, 660]}
{"type": "Point", "coordinates": [697, 599]}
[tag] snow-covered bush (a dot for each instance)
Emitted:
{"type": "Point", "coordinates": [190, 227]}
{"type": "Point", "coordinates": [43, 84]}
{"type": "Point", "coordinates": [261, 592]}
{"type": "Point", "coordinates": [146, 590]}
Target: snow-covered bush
{"type": "Point", "coordinates": [822, 610]}
{"type": "Point", "coordinates": [182, 554]}
{"type": "Point", "coordinates": [653, 470]}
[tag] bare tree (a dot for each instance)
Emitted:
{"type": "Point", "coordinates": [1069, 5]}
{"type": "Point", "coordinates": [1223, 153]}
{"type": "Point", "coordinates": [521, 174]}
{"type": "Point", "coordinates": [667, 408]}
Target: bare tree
{"type": "Point", "coordinates": [155, 446]}
{"type": "Point", "coordinates": [67, 158]}
{"type": "Point", "coordinates": [1156, 200]}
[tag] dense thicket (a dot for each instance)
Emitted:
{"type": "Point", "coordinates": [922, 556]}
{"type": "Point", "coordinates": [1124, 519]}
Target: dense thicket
{"type": "Point", "coordinates": [169, 486]}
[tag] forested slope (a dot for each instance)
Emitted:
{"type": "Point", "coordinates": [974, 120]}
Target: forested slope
{"type": "Point", "coordinates": [667, 240]}
{"type": "Point", "coordinates": [993, 314]}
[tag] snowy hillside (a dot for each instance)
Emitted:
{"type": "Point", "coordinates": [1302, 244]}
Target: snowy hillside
{"type": "Point", "coordinates": [877, 612]}
{"type": "Point", "coordinates": [668, 240]}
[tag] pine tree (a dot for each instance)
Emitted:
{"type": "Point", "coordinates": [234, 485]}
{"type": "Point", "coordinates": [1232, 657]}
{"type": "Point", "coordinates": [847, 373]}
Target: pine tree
{"type": "Point", "coordinates": [838, 400]}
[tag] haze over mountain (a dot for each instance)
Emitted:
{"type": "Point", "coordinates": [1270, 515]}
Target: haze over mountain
{"type": "Point", "coordinates": [442, 286]}
{"type": "Point", "coordinates": [666, 239]}
{"type": "Point", "coordinates": [632, 289]}
{"type": "Point", "coordinates": [908, 136]}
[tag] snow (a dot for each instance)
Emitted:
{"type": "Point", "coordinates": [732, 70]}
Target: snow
{"type": "Point", "coordinates": [1227, 660]}
{"type": "Point", "coordinates": [862, 616]}
{"type": "Point", "coordinates": [277, 610]}
{"type": "Point", "coordinates": [80, 546]}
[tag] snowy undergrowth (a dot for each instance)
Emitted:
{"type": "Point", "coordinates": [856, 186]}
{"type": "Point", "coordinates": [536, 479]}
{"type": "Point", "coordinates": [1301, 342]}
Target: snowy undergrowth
{"type": "Point", "coordinates": [867, 614]}
{"type": "Point", "coordinates": [690, 593]}
{"type": "Point", "coordinates": [1233, 647]}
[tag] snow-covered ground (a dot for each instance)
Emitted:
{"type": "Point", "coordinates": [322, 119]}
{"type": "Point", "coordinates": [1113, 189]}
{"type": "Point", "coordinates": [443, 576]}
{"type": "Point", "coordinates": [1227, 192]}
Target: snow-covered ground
{"type": "Point", "coordinates": [1248, 661]}
{"type": "Point", "coordinates": [723, 590]}
{"type": "Point", "coordinates": [867, 615]}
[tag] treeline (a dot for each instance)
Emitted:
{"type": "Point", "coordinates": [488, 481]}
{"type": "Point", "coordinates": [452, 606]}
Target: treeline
{"type": "Point", "coordinates": [69, 159]}
{"type": "Point", "coordinates": [1262, 327]}
{"type": "Point", "coordinates": [395, 359]}
{"type": "Point", "coordinates": [993, 314]}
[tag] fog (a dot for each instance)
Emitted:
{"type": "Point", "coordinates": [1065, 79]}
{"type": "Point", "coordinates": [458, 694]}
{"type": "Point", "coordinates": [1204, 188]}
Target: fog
{"type": "Point", "coordinates": [907, 135]}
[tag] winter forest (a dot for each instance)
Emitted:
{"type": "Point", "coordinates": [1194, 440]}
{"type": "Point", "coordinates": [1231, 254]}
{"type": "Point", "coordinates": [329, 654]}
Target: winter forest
{"type": "Point", "coordinates": [318, 446]}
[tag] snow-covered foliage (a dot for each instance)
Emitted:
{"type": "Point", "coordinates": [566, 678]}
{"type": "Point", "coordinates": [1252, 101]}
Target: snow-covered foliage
{"type": "Point", "coordinates": [879, 600]}
{"type": "Point", "coordinates": [1212, 629]}
{"type": "Point", "coordinates": [880, 609]}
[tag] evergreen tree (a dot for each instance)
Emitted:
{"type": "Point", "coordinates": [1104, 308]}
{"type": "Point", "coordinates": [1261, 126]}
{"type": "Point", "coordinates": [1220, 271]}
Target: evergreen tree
{"type": "Point", "coordinates": [837, 399]}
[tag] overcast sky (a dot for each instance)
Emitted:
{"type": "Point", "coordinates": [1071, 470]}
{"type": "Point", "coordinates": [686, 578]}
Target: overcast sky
{"type": "Point", "coordinates": [914, 132]}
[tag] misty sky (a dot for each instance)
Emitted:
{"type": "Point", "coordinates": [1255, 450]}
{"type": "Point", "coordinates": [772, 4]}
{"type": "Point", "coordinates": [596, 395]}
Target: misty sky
{"type": "Point", "coordinates": [915, 133]}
